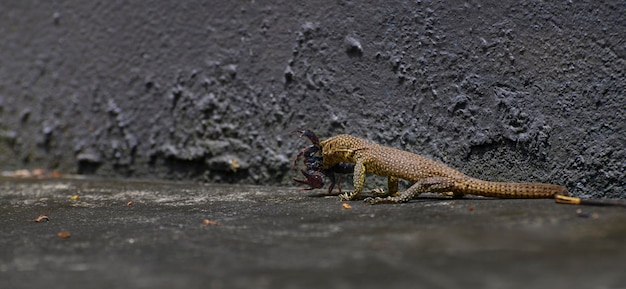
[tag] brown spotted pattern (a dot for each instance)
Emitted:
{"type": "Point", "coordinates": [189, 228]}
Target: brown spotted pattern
{"type": "Point", "coordinates": [429, 175]}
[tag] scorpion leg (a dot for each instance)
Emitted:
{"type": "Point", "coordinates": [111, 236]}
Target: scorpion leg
{"type": "Point", "coordinates": [309, 134]}
{"type": "Point", "coordinates": [307, 152]}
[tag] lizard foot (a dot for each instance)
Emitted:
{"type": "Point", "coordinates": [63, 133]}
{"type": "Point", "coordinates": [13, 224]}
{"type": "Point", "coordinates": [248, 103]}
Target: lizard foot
{"type": "Point", "coordinates": [349, 196]}
{"type": "Point", "coordinates": [387, 200]}
{"type": "Point", "coordinates": [380, 192]}
{"type": "Point", "coordinates": [453, 194]}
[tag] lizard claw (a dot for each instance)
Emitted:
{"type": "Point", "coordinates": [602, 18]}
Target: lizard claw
{"type": "Point", "coordinates": [349, 196]}
{"type": "Point", "coordinates": [373, 201]}
{"type": "Point", "coordinates": [380, 192]}
{"type": "Point", "coordinates": [370, 200]}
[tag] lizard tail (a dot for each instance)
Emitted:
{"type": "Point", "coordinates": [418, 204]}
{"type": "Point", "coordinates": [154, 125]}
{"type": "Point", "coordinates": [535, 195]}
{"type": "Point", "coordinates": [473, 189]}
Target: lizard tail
{"type": "Point", "coordinates": [513, 190]}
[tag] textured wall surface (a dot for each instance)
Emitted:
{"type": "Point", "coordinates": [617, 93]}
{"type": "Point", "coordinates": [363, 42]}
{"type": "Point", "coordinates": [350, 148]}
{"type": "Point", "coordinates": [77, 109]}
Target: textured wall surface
{"type": "Point", "coordinates": [531, 91]}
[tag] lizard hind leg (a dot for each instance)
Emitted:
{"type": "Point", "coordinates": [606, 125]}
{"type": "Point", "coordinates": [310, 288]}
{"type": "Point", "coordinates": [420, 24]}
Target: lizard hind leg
{"type": "Point", "coordinates": [392, 185]}
{"type": "Point", "coordinates": [433, 184]}
{"type": "Point", "coordinates": [392, 188]}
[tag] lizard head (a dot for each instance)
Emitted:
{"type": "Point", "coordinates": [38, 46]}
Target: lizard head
{"type": "Point", "coordinates": [340, 148]}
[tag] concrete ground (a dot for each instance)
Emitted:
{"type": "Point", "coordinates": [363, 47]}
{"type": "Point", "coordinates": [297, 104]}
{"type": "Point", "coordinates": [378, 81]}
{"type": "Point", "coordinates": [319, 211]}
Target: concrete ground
{"type": "Point", "coordinates": [188, 235]}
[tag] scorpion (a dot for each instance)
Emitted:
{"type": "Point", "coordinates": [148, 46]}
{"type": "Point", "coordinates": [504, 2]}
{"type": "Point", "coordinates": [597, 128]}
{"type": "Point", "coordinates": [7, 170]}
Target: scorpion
{"type": "Point", "coordinates": [315, 173]}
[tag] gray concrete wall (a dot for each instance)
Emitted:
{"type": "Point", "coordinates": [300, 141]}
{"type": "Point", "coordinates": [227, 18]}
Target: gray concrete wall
{"type": "Point", "coordinates": [530, 91]}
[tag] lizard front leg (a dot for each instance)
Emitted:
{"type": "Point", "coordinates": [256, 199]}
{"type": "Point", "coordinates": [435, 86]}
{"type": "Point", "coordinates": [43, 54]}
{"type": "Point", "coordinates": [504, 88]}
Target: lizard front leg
{"type": "Point", "coordinates": [433, 184]}
{"type": "Point", "coordinates": [358, 181]}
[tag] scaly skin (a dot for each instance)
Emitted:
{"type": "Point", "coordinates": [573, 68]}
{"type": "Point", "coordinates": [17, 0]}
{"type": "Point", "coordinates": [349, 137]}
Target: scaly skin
{"type": "Point", "coordinates": [426, 174]}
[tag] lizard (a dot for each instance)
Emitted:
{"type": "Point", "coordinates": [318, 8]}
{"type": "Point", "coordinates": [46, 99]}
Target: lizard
{"type": "Point", "coordinates": [427, 174]}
